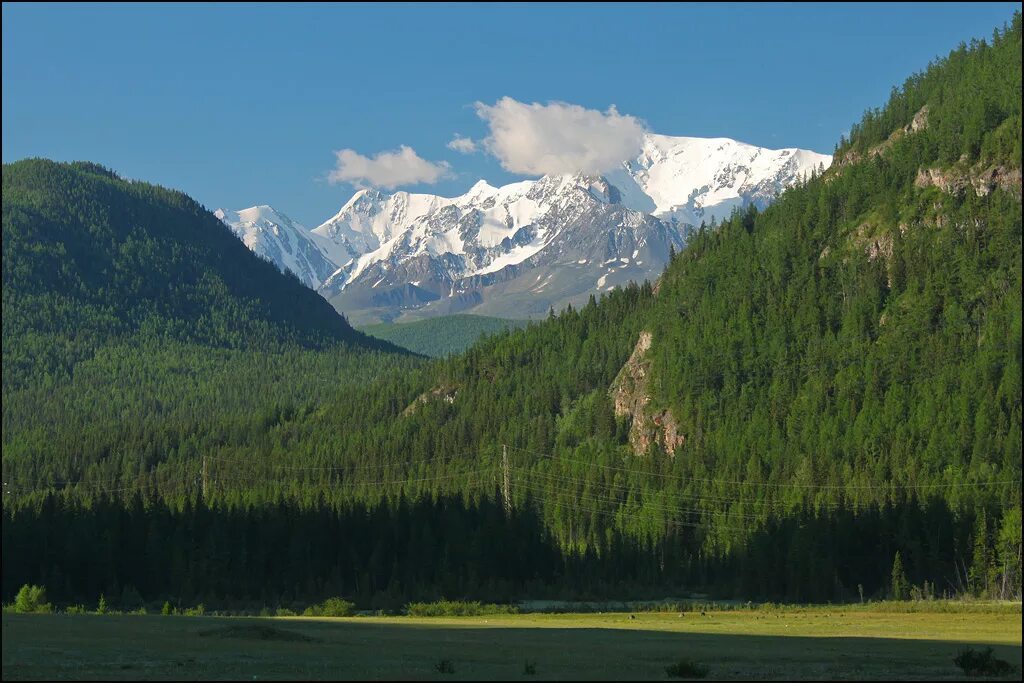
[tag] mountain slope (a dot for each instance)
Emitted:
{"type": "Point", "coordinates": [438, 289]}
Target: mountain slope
{"type": "Point", "coordinates": [278, 239]}
{"type": "Point", "coordinates": [519, 250]}
{"type": "Point", "coordinates": [858, 343]}
{"type": "Point", "coordinates": [441, 336]}
{"type": "Point", "coordinates": [89, 258]}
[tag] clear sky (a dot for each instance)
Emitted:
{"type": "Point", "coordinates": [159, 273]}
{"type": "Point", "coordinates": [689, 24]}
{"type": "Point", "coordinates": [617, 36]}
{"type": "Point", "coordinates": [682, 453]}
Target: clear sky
{"type": "Point", "coordinates": [247, 104]}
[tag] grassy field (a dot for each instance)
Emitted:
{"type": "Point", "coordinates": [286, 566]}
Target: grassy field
{"type": "Point", "coordinates": [816, 643]}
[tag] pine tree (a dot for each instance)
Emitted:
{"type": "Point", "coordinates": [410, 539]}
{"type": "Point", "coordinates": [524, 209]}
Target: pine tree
{"type": "Point", "coordinates": [899, 583]}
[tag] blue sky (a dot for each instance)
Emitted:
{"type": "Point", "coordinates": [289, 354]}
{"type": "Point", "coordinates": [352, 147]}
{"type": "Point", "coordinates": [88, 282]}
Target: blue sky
{"type": "Point", "coordinates": [247, 104]}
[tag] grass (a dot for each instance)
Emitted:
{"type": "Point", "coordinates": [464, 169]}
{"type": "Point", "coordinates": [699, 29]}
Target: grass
{"type": "Point", "coordinates": [798, 643]}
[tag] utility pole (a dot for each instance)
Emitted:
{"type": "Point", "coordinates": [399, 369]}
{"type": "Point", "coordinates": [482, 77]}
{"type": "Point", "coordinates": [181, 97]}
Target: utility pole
{"type": "Point", "coordinates": [506, 482]}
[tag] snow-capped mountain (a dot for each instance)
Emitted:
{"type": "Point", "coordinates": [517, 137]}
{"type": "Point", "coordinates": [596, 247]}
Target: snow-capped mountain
{"type": "Point", "coordinates": [696, 179]}
{"type": "Point", "coordinates": [539, 243]}
{"type": "Point", "coordinates": [515, 251]}
{"type": "Point", "coordinates": [281, 241]}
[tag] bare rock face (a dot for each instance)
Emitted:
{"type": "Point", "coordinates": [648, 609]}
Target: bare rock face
{"type": "Point", "coordinates": [443, 393]}
{"type": "Point", "coordinates": [920, 120]}
{"type": "Point", "coordinates": [982, 180]}
{"type": "Point", "coordinates": [630, 396]}
{"type": "Point", "coordinates": [875, 246]}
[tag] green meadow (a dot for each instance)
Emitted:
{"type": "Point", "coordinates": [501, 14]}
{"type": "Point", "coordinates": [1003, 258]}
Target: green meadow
{"type": "Point", "coordinates": [839, 642]}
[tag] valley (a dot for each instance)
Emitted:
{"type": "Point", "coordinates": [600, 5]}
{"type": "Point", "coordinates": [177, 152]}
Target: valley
{"type": "Point", "coordinates": [784, 389]}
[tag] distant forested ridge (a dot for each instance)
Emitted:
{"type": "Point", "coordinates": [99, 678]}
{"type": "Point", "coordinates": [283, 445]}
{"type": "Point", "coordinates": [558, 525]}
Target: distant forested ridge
{"type": "Point", "coordinates": [89, 258]}
{"type": "Point", "coordinates": [443, 335]}
{"type": "Point", "coordinates": [820, 401]}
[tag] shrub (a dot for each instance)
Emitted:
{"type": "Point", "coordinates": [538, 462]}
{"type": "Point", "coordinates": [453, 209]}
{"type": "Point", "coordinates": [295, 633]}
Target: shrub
{"type": "Point", "coordinates": [331, 607]}
{"type": "Point", "coordinates": [981, 663]}
{"type": "Point", "coordinates": [32, 599]}
{"type": "Point", "coordinates": [101, 606]}
{"type": "Point", "coordinates": [167, 609]}
{"type": "Point", "coordinates": [76, 609]}
{"type": "Point", "coordinates": [686, 668]}
{"type": "Point", "coordinates": [529, 668]}
{"type": "Point", "coordinates": [197, 611]}
{"type": "Point", "coordinates": [445, 666]}
{"type": "Point", "coordinates": [456, 608]}
{"type": "Point", "coordinates": [285, 612]}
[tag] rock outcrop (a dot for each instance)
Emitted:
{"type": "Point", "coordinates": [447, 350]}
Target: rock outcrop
{"type": "Point", "coordinates": [919, 122]}
{"type": "Point", "coordinates": [630, 393]}
{"type": "Point", "coordinates": [444, 393]}
{"type": "Point", "coordinates": [981, 179]}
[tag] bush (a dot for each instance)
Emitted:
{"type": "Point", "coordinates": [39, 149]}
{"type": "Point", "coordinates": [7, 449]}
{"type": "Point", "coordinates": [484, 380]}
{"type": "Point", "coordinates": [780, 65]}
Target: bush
{"type": "Point", "coordinates": [529, 668]}
{"type": "Point", "coordinates": [456, 608]}
{"type": "Point", "coordinates": [101, 606]}
{"type": "Point", "coordinates": [197, 611]}
{"type": "Point", "coordinates": [76, 609]}
{"type": "Point", "coordinates": [686, 668]}
{"type": "Point", "coordinates": [167, 609]}
{"type": "Point", "coordinates": [32, 600]}
{"type": "Point", "coordinates": [445, 666]}
{"type": "Point", "coordinates": [331, 607]}
{"type": "Point", "coordinates": [981, 663]}
{"type": "Point", "coordinates": [285, 612]}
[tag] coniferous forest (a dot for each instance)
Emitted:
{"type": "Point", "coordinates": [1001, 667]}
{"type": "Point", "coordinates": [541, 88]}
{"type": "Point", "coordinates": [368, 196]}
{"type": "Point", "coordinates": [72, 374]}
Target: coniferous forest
{"type": "Point", "coordinates": [830, 404]}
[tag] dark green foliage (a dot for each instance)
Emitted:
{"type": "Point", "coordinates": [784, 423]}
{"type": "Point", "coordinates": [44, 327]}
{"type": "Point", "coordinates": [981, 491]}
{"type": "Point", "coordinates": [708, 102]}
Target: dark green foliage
{"type": "Point", "coordinates": [331, 607]}
{"type": "Point", "coordinates": [974, 100]}
{"type": "Point", "coordinates": [686, 668]}
{"type": "Point", "coordinates": [441, 336]}
{"type": "Point", "coordinates": [981, 663]}
{"type": "Point", "coordinates": [445, 666]}
{"type": "Point", "coordinates": [107, 259]}
{"type": "Point", "coordinates": [456, 608]}
{"type": "Point", "coordinates": [858, 343]}
{"type": "Point", "coordinates": [845, 368]}
{"type": "Point", "coordinates": [899, 589]}
{"type": "Point", "coordinates": [529, 668]}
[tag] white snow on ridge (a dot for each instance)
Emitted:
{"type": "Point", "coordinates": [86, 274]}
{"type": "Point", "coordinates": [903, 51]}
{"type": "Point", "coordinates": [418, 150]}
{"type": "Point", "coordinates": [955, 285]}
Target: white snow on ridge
{"type": "Point", "coordinates": [688, 178]}
{"type": "Point", "coordinates": [679, 180]}
{"type": "Point", "coordinates": [277, 238]}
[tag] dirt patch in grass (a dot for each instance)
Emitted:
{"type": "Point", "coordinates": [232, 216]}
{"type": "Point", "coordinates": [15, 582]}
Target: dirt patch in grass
{"type": "Point", "coordinates": [258, 632]}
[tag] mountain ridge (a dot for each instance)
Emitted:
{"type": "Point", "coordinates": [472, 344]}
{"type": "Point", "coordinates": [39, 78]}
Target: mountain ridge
{"type": "Point", "coordinates": [399, 252]}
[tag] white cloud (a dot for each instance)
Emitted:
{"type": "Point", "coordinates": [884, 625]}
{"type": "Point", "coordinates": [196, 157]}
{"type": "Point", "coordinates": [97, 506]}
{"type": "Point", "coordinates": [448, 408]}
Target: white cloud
{"type": "Point", "coordinates": [387, 169]}
{"type": "Point", "coordinates": [538, 139]}
{"type": "Point", "coordinates": [462, 145]}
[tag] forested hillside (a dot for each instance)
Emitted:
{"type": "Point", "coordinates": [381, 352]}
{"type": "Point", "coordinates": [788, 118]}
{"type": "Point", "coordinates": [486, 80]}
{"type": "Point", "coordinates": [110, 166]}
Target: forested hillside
{"type": "Point", "coordinates": [858, 344]}
{"type": "Point", "coordinates": [830, 407]}
{"type": "Point", "coordinates": [89, 258]}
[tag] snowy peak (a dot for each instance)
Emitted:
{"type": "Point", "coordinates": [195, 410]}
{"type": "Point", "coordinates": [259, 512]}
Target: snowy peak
{"type": "Point", "coordinates": [691, 180]}
{"type": "Point", "coordinates": [280, 240]}
{"type": "Point", "coordinates": [518, 249]}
